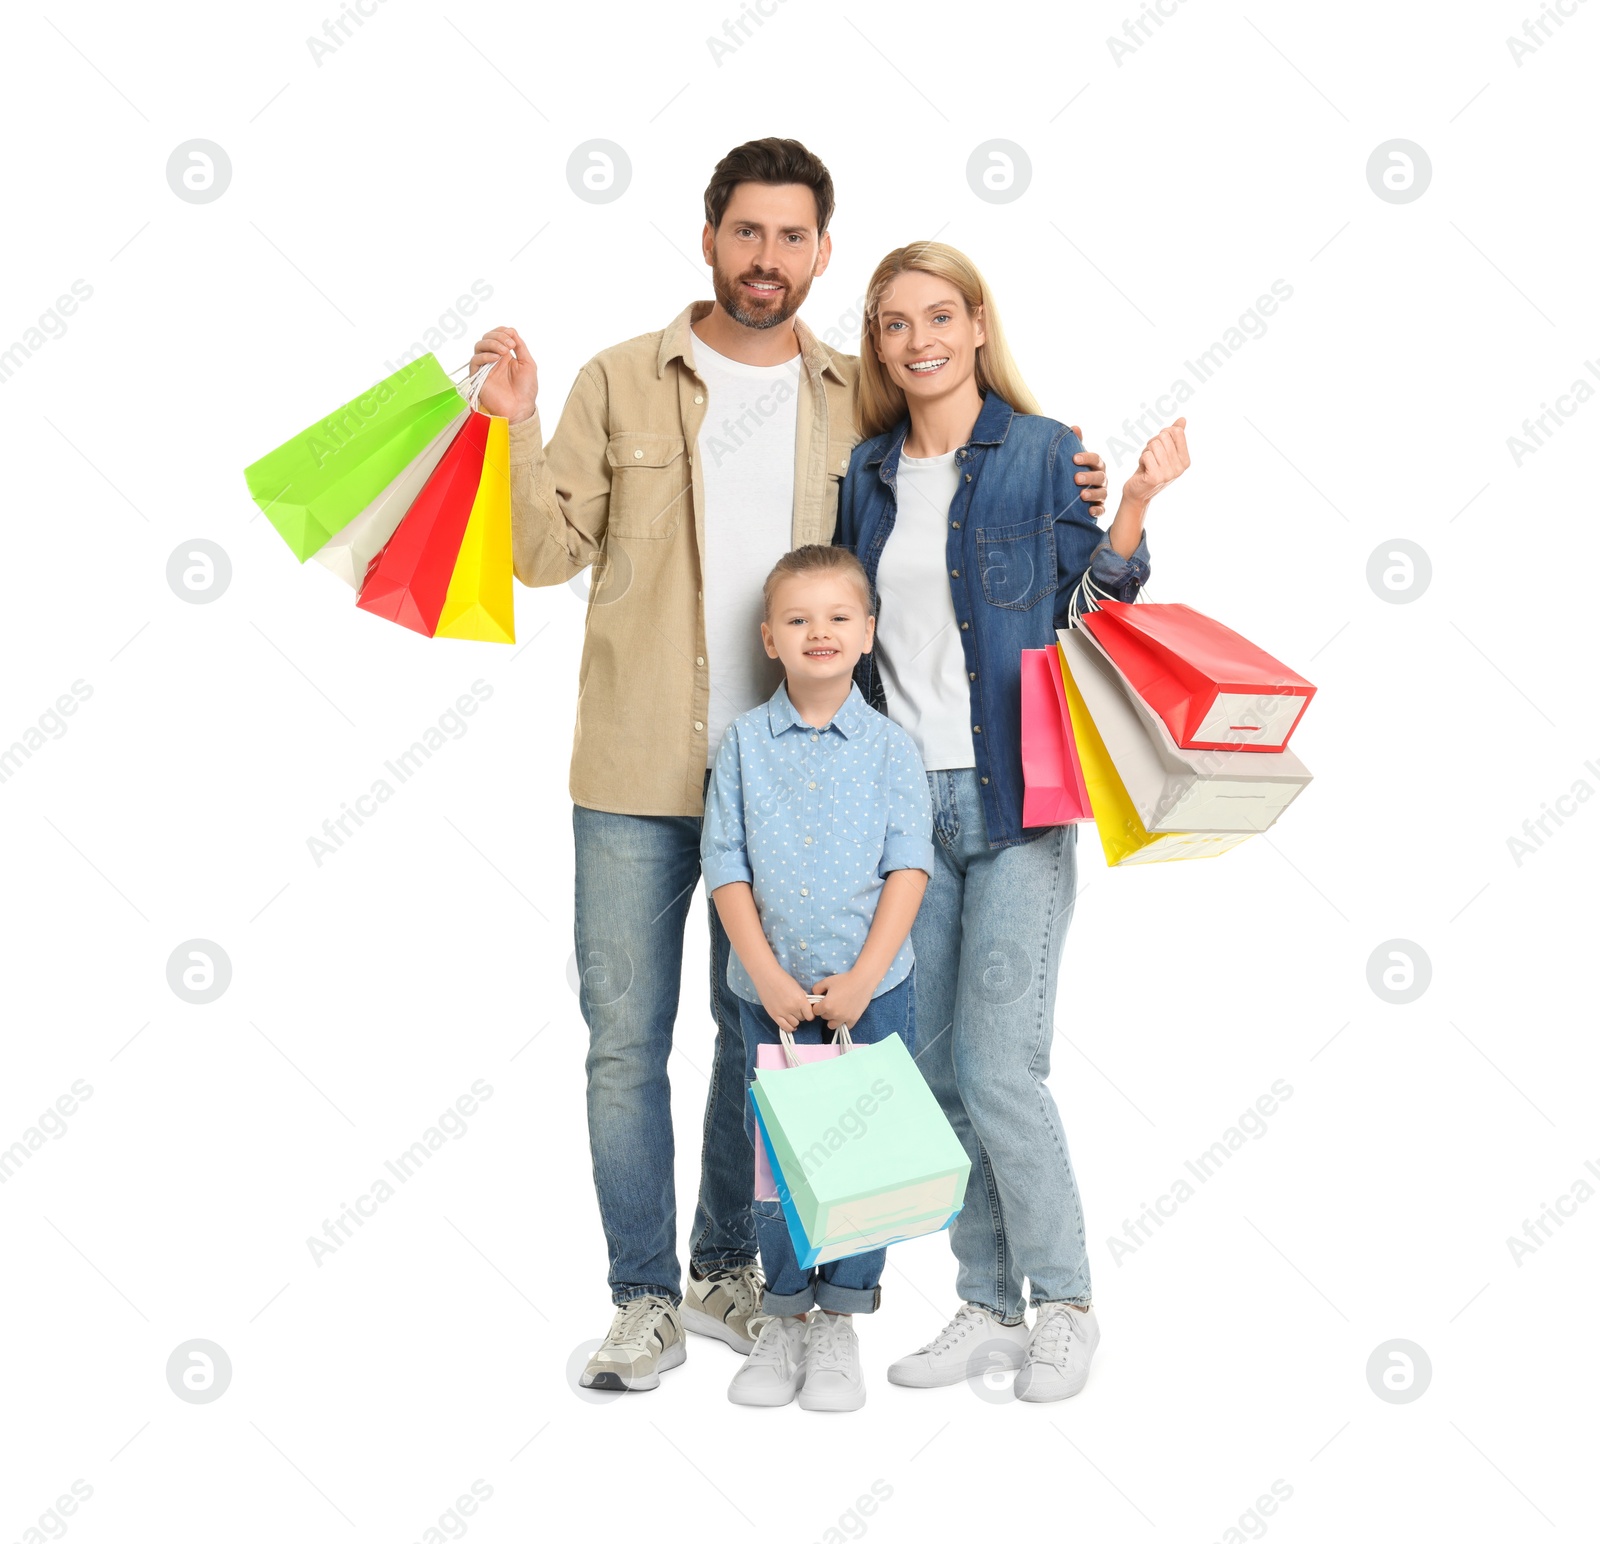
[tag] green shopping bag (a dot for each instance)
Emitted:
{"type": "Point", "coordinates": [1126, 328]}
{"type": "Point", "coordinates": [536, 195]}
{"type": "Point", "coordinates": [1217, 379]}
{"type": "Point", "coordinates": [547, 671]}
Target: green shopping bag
{"type": "Point", "coordinates": [862, 1155]}
{"type": "Point", "coordinates": [314, 485]}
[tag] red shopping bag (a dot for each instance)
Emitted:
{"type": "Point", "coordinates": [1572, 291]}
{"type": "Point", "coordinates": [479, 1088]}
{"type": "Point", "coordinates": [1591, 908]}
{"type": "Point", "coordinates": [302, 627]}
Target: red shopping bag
{"type": "Point", "coordinates": [408, 580]}
{"type": "Point", "coordinates": [1213, 689]}
{"type": "Point", "coordinates": [1053, 791]}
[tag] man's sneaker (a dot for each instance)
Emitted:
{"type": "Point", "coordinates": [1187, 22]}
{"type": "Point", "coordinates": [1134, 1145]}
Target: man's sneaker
{"type": "Point", "coordinates": [1057, 1365]}
{"type": "Point", "coordinates": [973, 1343]}
{"type": "Point", "coordinates": [646, 1338]}
{"type": "Point", "coordinates": [723, 1305]}
{"type": "Point", "coordinates": [833, 1378]}
{"type": "Point", "coordinates": [776, 1366]}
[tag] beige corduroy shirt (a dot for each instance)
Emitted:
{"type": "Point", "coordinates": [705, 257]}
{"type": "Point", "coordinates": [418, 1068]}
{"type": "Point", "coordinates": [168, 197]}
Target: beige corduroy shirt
{"type": "Point", "coordinates": [619, 486]}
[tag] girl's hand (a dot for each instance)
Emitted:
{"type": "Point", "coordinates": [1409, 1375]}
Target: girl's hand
{"type": "Point", "coordinates": [784, 999]}
{"type": "Point", "coordinates": [844, 999]}
{"type": "Point", "coordinates": [1162, 461]}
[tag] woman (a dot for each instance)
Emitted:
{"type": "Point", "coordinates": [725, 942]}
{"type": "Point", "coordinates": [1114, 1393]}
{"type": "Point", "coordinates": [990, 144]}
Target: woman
{"type": "Point", "coordinates": [962, 505]}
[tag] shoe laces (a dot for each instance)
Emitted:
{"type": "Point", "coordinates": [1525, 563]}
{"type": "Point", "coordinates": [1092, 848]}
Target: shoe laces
{"type": "Point", "coordinates": [1052, 1335]}
{"type": "Point", "coordinates": [745, 1286]}
{"type": "Point", "coordinates": [962, 1325]}
{"type": "Point", "coordinates": [635, 1320]}
{"type": "Point", "coordinates": [774, 1349]}
{"type": "Point", "coordinates": [829, 1344]}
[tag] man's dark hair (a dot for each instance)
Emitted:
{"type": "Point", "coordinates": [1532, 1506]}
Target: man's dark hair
{"type": "Point", "coordinates": [772, 161]}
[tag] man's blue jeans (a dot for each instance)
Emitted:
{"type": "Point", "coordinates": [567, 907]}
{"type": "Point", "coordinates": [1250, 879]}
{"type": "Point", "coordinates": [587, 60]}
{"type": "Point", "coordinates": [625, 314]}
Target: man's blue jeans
{"type": "Point", "coordinates": [636, 875]}
{"type": "Point", "coordinates": [849, 1285]}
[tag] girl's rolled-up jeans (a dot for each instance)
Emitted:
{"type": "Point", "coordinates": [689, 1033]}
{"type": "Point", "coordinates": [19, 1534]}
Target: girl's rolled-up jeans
{"type": "Point", "coordinates": [849, 1285]}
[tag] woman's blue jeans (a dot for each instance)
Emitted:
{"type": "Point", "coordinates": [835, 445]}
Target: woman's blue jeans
{"type": "Point", "coordinates": [988, 941]}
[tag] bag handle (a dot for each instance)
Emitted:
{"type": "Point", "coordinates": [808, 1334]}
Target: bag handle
{"type": "Point", "coordinates": [792, 1057]}
{"type": "Point", "coordinates": [473, 385]}
{"type": "Point", "coordinates": [1086, 596]}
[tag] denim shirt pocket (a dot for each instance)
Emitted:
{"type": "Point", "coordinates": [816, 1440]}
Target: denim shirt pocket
{"type": "Point", "coordinates": [1017, 563]}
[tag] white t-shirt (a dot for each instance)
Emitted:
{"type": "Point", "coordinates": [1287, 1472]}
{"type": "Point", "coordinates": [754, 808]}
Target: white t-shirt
{"type": "Point", "coordinates": [746, 450]}
{"type": "Point", "coordinates": [918, 641]}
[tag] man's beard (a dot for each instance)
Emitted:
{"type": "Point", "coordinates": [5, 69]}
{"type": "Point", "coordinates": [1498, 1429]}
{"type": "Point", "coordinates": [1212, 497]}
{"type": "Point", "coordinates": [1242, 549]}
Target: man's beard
{"type": "Point", "coordinates": [726, 290]}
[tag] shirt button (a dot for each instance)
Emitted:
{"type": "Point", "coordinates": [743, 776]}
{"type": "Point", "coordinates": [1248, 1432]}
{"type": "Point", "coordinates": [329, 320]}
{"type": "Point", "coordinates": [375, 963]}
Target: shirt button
{"type": "Point", "coordinates": [802, 943]}
{"type": "Point", "coordinates": [977, 728]}
{"type": "Point", "coordinates": [969, 476]}
{"type": "Point", "coordinates": [698, 400]}
{"type": "Point", "coordinates": [984, 780]}
{"type": "Point", "coordinates": [808, 841]}
{"type": "Point", "coordinates": [813, 737]}
{"type": "Point", "coordinates": [638, 455]}
{"type": "Point", "coordinates": [955, 573]}
{"type": "Point", "coordinates": [963, 627]}
{"type": "Point", "coordinates": [955, 525]}
{"type": "Point", "coordinates": [811, 785]}
{"type": "Point", "coordinates": [972, 675]}
{"type": "Point", "coordinates": [699, 659]}
{"type": "Point", "coordinates": [805, 891]}
{"type": "Point", "coordinates": [844, 464]}
{"type": "Point", "coordinates": [698, 725]}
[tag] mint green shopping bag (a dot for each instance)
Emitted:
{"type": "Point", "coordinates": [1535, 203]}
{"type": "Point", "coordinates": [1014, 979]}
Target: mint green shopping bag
{"type": "Point", "coordinates": [862, 1155]}
{"type": "Point", "coordinates": [314, 485]}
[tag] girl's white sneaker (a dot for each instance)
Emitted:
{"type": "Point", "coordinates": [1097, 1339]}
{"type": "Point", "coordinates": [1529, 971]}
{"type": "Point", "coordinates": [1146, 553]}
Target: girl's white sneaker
{"type": "Point", "coordinates": [776, 1366]}
{"type": "Point", "coordinates": [1059, 1352]}
{"type": "Point", "coordinates": [833, 1378]}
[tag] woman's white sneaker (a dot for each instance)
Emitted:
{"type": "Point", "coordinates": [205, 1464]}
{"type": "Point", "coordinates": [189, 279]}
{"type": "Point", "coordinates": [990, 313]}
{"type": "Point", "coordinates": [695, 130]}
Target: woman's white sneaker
{"type": "Point", "coordinates": [1057, 1364]}
{"type": "Point", "coordinates": [971, 1344]}
{"type": "Point", "coordinates": [833, 1378]}
{"type": "Point", "coordinates": [775, 1368]}
{"type": "Point", "coordinates": [645, 1340]}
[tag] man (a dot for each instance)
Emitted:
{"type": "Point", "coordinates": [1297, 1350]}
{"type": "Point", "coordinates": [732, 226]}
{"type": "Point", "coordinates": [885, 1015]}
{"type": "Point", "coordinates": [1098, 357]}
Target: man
{"type": "Point", "coordinates": [686, 462]}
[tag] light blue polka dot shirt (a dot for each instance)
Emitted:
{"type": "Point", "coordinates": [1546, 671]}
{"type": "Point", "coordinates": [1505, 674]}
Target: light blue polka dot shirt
{"type": "Point", "coordinates": [814, 820]}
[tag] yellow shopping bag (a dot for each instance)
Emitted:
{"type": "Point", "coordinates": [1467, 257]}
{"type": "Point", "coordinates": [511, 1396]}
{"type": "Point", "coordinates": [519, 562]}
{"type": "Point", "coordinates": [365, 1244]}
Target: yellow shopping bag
{"type": "Point", "coordinates": [1122, 833]}
{"type": "Point", "coordinates": [478, 603]}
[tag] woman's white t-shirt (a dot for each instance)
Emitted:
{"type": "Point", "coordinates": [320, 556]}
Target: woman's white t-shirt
{"type": "Point", "coordinates": [918, 641]}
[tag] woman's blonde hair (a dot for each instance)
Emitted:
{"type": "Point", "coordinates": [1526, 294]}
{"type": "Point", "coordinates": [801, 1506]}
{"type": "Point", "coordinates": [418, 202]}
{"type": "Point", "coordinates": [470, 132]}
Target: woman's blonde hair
{"type": "Point", "coordinates": [880, 404]}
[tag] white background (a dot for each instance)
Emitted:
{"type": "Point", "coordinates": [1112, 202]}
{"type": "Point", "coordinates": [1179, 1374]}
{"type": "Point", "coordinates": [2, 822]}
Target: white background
{"type": "Point", "coordinates": [1167, 193]}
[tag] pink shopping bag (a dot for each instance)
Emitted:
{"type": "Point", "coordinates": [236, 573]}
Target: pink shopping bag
{"type": "Point", "coordinates": [1053, 791]}
{"type": "Point", "coordinates": [772, 1056]}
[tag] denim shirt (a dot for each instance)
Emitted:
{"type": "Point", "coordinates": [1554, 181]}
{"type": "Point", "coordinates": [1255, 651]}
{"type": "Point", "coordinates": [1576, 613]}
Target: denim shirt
{"type": "Point", "coordinates": [814, 820]}
{"type": "Point", "coordinates": [1020, 541]}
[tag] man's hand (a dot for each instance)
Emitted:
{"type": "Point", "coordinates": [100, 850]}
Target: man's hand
{"type": "Point", "coordinates": [512, 388]}
{"type": "Point", "coordinates": [1092, 481]}
{"type": "Point", "coordinates": [844, 998]}
{"type": "Point", "coordinates": [1162, 461]}
{"type": "Point", "coordinates": [783, 997]}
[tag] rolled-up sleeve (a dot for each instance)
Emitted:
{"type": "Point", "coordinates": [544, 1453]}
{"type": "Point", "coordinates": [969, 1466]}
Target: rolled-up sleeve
{"type": "Point", "coordinates": [908, 829]}
{"type": "Point", "coordinates": [723, 858]}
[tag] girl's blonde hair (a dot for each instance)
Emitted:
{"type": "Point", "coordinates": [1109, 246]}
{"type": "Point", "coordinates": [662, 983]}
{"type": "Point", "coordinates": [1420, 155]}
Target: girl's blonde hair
{"type": "Point", "coordinates": [814, 559]}
{"type": "Point", "coordinates": [880, 404]}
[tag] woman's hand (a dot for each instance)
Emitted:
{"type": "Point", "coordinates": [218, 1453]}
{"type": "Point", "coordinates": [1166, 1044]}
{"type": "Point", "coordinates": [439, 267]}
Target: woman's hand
{"type": "Point", "coordinates": [511, 389]}
{"type": "Point", "coordinates": [844, 998]}
{"type": "Point", "coordinates": [1162, 461]}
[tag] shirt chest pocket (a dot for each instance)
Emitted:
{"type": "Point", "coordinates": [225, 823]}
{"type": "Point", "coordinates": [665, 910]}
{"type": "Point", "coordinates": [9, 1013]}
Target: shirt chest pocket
{"type": "Point", "coordinates": [649, 484]}
{"type": "Point", "coordinates": [857, 820]}
{"type": "Point", "coordinates": [1017, 563]}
